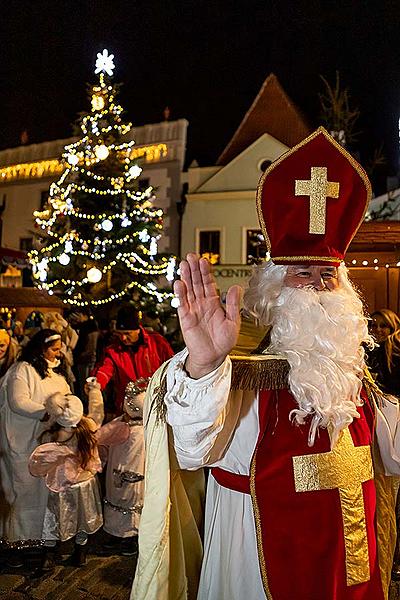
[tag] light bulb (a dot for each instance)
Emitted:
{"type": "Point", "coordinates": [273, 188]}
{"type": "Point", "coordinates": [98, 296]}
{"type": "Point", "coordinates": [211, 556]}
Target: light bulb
{"type": "Point", "coordinates": [153, 247]}
{"type": "Point", "coordinates": [144, 236]}
{"type": "Point", "coordinates": [107, 225]}
{"type": "Point", "coordinates": [170, 274]}
{"type": "Point", "coordinates": [94, 275]}
{"type": "Point", "coordinates": [175, 302]}
{"type": "Point", "coordinates": [64, 259]}
{"type": "Point", "coordinates": [97, 102]}
{"type": "Point", "coordinates": [72, 159]}
{"type": "Point", "coordinates": [135, 171]}
{"type": "Point", "coordinates": [101, 152]}
{"type": "Point", "coordinates": [125, 222]}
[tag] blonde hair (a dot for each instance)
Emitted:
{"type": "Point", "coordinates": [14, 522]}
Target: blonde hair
{"type": "Point", "coordinates": [392, 342]}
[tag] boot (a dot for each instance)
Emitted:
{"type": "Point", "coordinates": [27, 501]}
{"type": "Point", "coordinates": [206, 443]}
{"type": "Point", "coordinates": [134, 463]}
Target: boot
{"type": "Point", "coordinates": [78, 558]}
{"type": "Point", "coordinates": [15, 559]}
{"type": "Point", "coordinates": [50, 557]}
{"type": "Point", "coordinates": [129, 546]}
{"type": "Point", "coordinates": [48, 561]}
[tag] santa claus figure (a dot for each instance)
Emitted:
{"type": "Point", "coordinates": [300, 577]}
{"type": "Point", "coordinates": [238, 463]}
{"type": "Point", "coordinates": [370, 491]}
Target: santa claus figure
{"type": "Point", "coordinates": [295, 434]}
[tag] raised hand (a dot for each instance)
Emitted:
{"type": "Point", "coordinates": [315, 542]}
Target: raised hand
{"type": "Point", "coordinates": [210, 331]}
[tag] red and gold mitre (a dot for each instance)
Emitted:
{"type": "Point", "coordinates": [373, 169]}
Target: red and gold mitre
{"type": "Point", "coordinates": [311, 201]}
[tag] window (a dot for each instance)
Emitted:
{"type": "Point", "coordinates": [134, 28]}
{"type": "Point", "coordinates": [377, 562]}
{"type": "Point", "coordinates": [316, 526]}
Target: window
{"type": "Point", "coordinates": [256, 247]}
{"type": "Point", "coordinates": [264, 164]}
{"type": "Point", "coordinates": [26, 244]}
{"type": "Point", "coordinates": [209, 245]}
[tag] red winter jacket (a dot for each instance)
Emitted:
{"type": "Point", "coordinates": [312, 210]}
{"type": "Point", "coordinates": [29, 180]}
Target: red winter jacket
{"type": "Point", "coordinates": [122, 364]}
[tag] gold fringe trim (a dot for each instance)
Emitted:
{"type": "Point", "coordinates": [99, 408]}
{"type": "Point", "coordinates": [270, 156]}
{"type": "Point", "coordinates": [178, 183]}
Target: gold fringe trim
{"type": "Point", "coordinates": [374, 393]}
{"type": "Point", "coordinates": [259, 372]}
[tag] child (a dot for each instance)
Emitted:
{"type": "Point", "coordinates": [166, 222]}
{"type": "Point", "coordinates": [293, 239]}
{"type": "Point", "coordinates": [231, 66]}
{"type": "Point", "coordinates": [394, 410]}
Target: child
{"type": "Point", "coordinates": [69, 463]}
{"type": "Point", "coordinates": [125, 471]}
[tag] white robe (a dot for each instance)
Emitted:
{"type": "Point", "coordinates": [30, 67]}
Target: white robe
{"type": "Point", "coordinates": [23, 498]}
{"type": "Point", "coordinates": [197, 411]}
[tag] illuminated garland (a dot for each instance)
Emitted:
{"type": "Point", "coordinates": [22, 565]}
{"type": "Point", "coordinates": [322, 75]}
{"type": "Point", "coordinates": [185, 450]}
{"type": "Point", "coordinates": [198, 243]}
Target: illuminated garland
{"type": "Point", "coordinates": [118, 242]}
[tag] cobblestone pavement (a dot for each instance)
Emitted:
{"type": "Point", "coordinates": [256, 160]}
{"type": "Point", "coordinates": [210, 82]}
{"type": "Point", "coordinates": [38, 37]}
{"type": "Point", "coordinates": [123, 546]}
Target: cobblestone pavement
{"type": "Point", "coordinates": [104, 577]}
{"type": "Point", "coordinates": [107, 577]}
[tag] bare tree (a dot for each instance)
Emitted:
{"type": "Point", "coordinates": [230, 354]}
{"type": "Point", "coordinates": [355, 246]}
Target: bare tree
{"type": "Point", "coordinates": [337, 114]}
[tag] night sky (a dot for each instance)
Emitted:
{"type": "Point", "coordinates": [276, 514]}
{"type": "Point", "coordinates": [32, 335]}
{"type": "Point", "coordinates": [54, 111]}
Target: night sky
{"type": "Point", "coordinates": [206, 60]}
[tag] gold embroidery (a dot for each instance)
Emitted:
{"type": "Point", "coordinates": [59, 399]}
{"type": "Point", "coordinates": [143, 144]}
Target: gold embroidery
{"type": "Point", "coordinates": [344, 468]}
{"type": "Point", "coordinates": [344, 152]}
{"type": "Point", "coordinates": [318, 188]}
{"type": "Point", "coordinates": [296, 259]}
{"type": "Point", "coordinates": [257, 518]}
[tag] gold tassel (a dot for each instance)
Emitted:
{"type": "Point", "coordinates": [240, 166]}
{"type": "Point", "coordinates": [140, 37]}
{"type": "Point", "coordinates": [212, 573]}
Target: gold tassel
{"type": "Point", "coordinates": [259, 372]}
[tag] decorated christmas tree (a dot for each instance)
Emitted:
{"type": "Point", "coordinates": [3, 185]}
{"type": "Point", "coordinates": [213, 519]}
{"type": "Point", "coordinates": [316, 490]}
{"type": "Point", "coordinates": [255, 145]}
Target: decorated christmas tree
{"type": "Point", "coordinates": [99, 231]}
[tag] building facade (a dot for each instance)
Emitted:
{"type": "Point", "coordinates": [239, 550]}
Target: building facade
{"type": "Point", "coordinates": [26, 173]}
{"type": "Point", "coordinates": [221, 222]}
{"type": "Point", "coordinates": [220, 219]}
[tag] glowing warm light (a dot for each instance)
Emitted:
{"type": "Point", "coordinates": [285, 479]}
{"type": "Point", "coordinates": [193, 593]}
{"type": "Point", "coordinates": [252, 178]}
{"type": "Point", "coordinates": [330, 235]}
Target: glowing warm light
{"type": "Point", "coordinates": [354, 262]}
{"type": "Point", "coordinates": [34, 170]}
{"type": "Point", "coordinates": [98, 102]}
{"type": "Point", "coordinates": [101, 152]}
{"type": "Point", "coordinates": [94, 275]}
{"type": "Point", "coordinates": [365, 262]}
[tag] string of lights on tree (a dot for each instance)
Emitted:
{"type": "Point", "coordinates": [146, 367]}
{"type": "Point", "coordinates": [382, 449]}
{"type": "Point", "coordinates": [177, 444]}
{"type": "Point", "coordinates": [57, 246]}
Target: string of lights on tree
{"type": "Point", "coordinates": [99, 231]}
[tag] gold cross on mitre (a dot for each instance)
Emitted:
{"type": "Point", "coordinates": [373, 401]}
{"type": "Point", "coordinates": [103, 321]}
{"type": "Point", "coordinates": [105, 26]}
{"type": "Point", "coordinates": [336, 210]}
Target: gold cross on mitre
{"type": "Point", "coordinates": [319, 189]}
{"type": "Point", "coordinates": [344, 468]}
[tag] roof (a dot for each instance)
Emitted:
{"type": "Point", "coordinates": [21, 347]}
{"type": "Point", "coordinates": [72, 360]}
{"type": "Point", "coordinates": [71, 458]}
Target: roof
{"type": "Point", "coordinates": [272, 112]}
{"type": "Point", "coordinates": [22, 296]}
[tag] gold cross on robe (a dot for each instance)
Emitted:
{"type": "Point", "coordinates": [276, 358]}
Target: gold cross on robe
{"type": "Point", "coordinates": [344, 468]}
{"type": "Point", "coordinates": [319, 189]}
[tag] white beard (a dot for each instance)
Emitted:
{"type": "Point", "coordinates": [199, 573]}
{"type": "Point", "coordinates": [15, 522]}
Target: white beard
{"type": "Point", "coordinates": [321, 333]}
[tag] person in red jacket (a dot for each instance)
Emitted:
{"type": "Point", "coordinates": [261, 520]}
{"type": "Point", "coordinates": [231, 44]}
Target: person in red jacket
{"type": "Point", "coordinates": [135, 354]}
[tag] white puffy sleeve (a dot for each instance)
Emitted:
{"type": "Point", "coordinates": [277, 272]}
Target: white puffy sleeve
{"type": "Point", "coordinates": [196, 410]}
{"type": "Point", "coordinates": [20, 393]}
{"type": "Point", "coordinates": [388, 434]}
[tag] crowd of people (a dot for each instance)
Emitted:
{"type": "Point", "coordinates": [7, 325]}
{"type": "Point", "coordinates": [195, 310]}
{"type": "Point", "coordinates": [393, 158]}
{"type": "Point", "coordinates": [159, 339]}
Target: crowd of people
{"type": "Point", "coordinates": [70, 409]}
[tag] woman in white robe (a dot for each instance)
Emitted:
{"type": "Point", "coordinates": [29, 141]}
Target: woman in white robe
{"type": "Point", "coordinates": [23, 394]}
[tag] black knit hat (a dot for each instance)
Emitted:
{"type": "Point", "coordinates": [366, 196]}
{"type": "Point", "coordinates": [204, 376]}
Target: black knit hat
{"type": "Point", "coordinates": [127, 319]}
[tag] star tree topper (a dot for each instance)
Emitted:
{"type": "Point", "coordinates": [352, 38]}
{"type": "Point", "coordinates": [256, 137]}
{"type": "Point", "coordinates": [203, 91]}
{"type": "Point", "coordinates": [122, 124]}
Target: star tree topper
{"type": "Point", "coordinates": [105, 63]}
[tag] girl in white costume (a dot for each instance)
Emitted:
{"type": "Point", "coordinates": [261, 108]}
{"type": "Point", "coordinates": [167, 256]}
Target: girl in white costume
{"type": "Point", "coordinates": [68, 463]}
